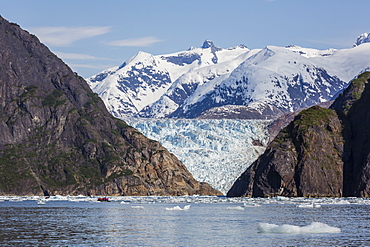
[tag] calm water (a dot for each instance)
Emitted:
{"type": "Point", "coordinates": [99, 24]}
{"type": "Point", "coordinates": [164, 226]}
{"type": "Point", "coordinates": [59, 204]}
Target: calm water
{"type": "Point", "coordinates": [208, 222]}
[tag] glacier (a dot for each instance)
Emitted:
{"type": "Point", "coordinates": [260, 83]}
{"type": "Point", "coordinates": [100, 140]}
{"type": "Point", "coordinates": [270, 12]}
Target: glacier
{"type": "Point", "coordinates": [215, 151]}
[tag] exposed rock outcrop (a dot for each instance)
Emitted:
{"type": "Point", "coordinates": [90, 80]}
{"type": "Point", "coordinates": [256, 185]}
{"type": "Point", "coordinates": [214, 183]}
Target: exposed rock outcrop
{"type": "Point", "coordinates": [241, 112]}
{"type": "Point", "coordinates": [283, 121]}
{"type": "Point", "coordinates": [56, 136]}
{"type": "Point", "coordinates": [323, 152]}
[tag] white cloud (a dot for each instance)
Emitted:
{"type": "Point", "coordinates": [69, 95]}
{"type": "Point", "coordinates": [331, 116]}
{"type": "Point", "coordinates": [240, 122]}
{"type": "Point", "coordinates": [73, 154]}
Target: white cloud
{"type": "Point", "coordinates": [91, 66]}
{"type": "Point", "coordinates": [146, 41]}
{"type": "Point", "coordinates": [78, 56]}
{"type": "Point", "coordinates": [63, 36]}
{"type": "Point", "coordinates": [74, 56]}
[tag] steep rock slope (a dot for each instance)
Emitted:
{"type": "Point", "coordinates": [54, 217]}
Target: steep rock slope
{"type": "Point", "coordinates": [56, 136]}
{"type": "Point", "coordinates": [323, 152]}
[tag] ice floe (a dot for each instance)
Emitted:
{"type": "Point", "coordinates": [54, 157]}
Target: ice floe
{"type": "Point", "coordinates": [41, 202]}
{"type": "Point", "coordinates": [314, 227]}
{"type": "Point", "coordinates": [251, 204]}
{"type": "Point", "coordinates": [308, 205]}
{"type": "Point", "coordinates": [235, 208]}
{"type": "Point", "coordinates": [178, 208]}
{"type": "Point", "coordinates": [243, 202]}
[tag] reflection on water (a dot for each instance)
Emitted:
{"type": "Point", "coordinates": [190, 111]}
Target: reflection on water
{"type": "Point", "coordinates": [66, 223]}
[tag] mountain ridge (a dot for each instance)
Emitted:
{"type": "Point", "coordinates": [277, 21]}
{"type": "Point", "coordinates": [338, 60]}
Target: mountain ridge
{"type": "Point", "coordinates": [363, 38]}
{"type": "Point", "coordinates": [58, 138]}
{"type": "Point", "coordinates": [110, 84]}
{"type": "Point", "coordinates": [277, 79]}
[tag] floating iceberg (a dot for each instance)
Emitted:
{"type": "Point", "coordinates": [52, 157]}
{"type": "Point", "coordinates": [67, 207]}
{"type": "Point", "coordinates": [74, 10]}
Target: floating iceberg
{"type": "Point", "coordinates": [41, 202]}
{"type": "Point", "coordinates": [249, 204]}
{"type": "Point", "coordinates": [314, 227]}
{"type": "Point", "coordinates": [296, 202]}
{"type": "Point", "coordinates": [235, 208]}
{"type": "Point", "coordinates": [177, 208]}
{"type": "Point", "coordinates": [308, 205]}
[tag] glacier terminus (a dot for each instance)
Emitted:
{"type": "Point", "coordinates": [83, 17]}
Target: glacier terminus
{"type": "Point", "coordinates": [215, 151]}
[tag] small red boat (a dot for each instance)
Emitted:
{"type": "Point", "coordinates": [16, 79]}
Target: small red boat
{"type": "Point", "coordinates": [103, 199]}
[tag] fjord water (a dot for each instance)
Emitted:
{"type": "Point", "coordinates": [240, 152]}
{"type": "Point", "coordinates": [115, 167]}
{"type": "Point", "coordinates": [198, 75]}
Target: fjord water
{"type": "Point", "coordinates": [158, 221]}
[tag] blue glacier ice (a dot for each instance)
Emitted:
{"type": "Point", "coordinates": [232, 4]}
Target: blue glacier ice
{"type": "Point", "coordinates": [215, 151]}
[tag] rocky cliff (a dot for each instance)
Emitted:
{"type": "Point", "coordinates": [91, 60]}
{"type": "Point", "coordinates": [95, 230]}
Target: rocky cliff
{"type": "Point", "coordinates": [323, 152]}
{"type": "Point", "coordinates": [56, 136]}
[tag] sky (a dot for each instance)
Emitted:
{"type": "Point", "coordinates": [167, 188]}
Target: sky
{"type": "Point", "coordinates": [94, 35]}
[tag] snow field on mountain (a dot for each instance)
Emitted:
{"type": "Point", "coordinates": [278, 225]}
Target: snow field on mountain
{"type": "Point", "coordinates": [216, 151]}
{"type": "Point", "coordinates": [280, 76]}
{"type": "Point", "coordinates": [184, 84]}
{"type": "Point", "coordinates": [346, 63]}
{"type": "Point", "coordinates": [144, 78]}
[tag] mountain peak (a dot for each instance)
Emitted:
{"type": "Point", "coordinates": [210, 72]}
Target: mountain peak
{"type": "Point", "coordinates": [65, 140]}
{"type": "Point", "coordinates": [363, 38]}
{"type": "Point", "coordinates": [207, 44]}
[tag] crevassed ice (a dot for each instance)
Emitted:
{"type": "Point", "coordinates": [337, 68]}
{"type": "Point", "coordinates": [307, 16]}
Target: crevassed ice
{"type": "Point", "coordinates": [216, 151]}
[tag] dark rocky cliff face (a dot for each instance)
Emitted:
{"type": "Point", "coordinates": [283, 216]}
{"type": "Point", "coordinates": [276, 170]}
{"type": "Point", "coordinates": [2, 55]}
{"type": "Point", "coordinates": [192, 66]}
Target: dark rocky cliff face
{"type": "Point", "coordinates": [56, 136]}
{"type": "Point", "coordinates": [353, 107]}
{"type": "Point", "coordinates": [323, 152]}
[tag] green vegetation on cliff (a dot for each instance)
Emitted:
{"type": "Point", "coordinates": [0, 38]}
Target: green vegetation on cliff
{"type": "Point", "coordinates": [322, 152]}
{"type": "Point", "coordinates": [56, 136]}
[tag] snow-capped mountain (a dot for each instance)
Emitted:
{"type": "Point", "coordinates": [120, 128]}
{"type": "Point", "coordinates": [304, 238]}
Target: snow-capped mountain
{"type": "Point", "coordinates": [363, 38]}
{"type": "Point", "coordinates": [274, 77]}
{"type": "Point", "coordinates": [144, 78]}
{"type": "Point", "coordinates": [210, 82]}
{"type": "Point", "coordinates": [185, 86]}
{"type": "Point", "coordinates": [216, 151]}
